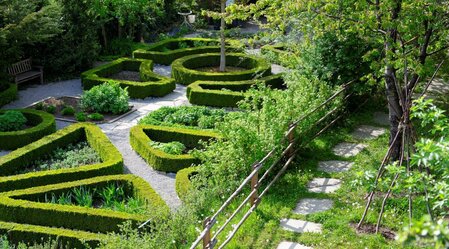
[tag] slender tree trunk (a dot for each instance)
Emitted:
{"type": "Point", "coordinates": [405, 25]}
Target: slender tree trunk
{"type": "Point", "coordinates": [395, 111]}
{"type": "Point", "coordinates": [105, 37]}
{"type": "Point", "coordinates": [222, 38]}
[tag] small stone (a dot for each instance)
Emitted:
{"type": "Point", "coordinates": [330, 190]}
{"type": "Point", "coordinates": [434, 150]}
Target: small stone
{"type": "Point", "coordinates": [292, 245]}
{"type": "Point", "coordinates": [311, 205]}
{"type": "Point", "coordinates": [323, 185]}
{"type": "Point", "coordinates": [277, 69]}
{"type": "Point", "coordinates": [300, 226]}
{"type": "Point", "coordinates": [368, 132]}
{"type": "Point", "coordinates": [334, 166]}
{"type": "Point", "coordinates": [348, 149]}
{"type": "Point", "coordinates": [381, 118]}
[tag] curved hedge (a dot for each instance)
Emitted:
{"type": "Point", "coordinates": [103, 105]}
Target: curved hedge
{"type": "Point", "coordinates": [183, 183]}
{"type": "Point", "coordinates": [23, 206]}
{"type": "Point", "coordinates": [112, 161]}
{"type": "Point", "coordinates": [210, 93]}
{"type": "Point", "coordinates": [277, 52]}
{"type": "Point", "coordinates": [8, 95]}
{"type": "Point", "coordinates": [183, 70]}
{"type": "Point", "coordinates": [43, 124]}
{"type": "Point", "coordinates": [142, 135]}
{"type": "Point", "coordinates": [152, 84]}
{"type": "Point", "coordinates": [165, 52]}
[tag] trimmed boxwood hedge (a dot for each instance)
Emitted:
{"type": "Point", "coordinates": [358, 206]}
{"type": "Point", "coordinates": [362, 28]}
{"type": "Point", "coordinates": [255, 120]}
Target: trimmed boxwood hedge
{"type": "Point", "coordinates": [22, 206]}
{"type": "Point", "coordinates": [152, 84]}
{"type": "Point", "coordinates": [142, 135]}
{"type": "Point", "coordinates": [156, 51]}
{"type": "Point", "coordinates": [112, 161]}
{"type": "Point", "coordinates": [183, 70]}
{"type": "Point", "coordinates": [183, 183]}
{"type": "Point", "coordinates": [43, 124]}
{"type": "Point", "coordinates": [65, 238]}
{"type": "Point", "coordinates": [8, 95]}
{"type": "Point", "coordinates": [211, 93]}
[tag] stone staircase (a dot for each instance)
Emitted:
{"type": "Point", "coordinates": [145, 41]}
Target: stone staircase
{"type": "Point", "coordinates": [328, 186]}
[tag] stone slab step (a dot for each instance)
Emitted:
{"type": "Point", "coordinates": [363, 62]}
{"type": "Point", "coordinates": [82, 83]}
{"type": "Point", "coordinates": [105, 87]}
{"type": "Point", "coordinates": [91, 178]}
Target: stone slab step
{"type": "Point", "coordinates": [348, 149]}
{"type": "Point", "coordinates": [323, 185]}
{"type": "Point", "coordinates": [334, 166]}
{"type": "Point", "coordinates": [300, 226]}
{"type": "Point", "coordinates": [312, 205]}
{"type": "Point", "coordinates": [291, 245]}
{"type": "Point", "coordinates": [366, 132]}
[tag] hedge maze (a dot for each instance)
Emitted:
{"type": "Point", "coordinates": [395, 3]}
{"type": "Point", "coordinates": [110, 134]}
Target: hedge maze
{"type": "Point", "coordinates": [26, 217]}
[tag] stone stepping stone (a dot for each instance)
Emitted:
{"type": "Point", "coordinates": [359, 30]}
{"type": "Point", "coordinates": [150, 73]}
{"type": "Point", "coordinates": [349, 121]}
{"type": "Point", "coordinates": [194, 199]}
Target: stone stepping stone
{"type": "Point", "coordinates": [348, 149]}
{"type": "Point", "coordinates": [277, 69]}
{"type": "Point", "coordinates": [291, 245]}
{"type": "Point", "coordinates": [334, 166]}
{"type": "Point", "coordinates": [381, 118]}
{"type": "Point", "coordinates": [312, 205]}
{"type": "Point", "coordinates": [300, 226]}
{"type": "Point", "coordinates": [323, 185]}
{"type": "Point", "coordinates": [367, 132]}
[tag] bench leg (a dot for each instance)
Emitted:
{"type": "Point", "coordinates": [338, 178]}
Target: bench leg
{"type": "Point", "coordinates": [42, 78]}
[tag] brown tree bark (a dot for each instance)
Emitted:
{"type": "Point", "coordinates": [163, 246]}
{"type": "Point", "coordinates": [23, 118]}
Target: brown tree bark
{"type": "Point", "coordinates": [222, 38]}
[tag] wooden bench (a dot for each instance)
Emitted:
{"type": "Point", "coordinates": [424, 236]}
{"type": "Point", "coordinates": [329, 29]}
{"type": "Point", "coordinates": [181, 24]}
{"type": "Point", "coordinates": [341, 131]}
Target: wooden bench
{"type": "Point", "coordinates": [23, 71]}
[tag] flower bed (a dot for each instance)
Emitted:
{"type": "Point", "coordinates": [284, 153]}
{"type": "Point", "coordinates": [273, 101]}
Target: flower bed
{"type": "Point", "coordinates": [20, 159]}
{"type": "Point", "coordinates": [150, 84]}
{"type": "Point", "coordinates": [185, 70]}
{"type": "Point", "coordinates": [38, 125]}
{"type": "Point", "coordinates": [165, 52]}
{"type": "Point", "coordinates": [141, 137]}
{"type": "Point", "coordinates": [227, 94]}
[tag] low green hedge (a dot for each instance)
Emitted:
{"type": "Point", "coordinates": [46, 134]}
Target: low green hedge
{"type": "Point", "coordinates": [276, 52]}
{"type": "Point", "coordinates": [23, 206]}
{"type": "Point", "coordinates": [183, 70]}
{"type": "Point", "coordinates": [142, 135]}
{"type": "Point", "coordinates": [8, 95]}
{"type": "Point", "coordinates": [152, 84]}
{"type": "Point", "coordinates": [112, 161]}
{"type": "Point", "coordinates": [42, 124]}
{"type": "Point", "coordinates": [212, 94]}
{"type": "Point", "coordinates": [183, 183]}
{"type": "Point", "coordinates": [65, 238]}
{"type": "Point", "coordinates": [157, 53]}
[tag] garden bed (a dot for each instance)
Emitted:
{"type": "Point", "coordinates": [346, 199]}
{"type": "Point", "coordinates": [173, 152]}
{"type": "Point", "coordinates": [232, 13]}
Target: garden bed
{"type": "Point", "coordinates": [167, 51]}
{"type": "Point", "coordinates": [124, 71]}
{"type": "Point", "coordinates": [59, 103]}
{"type": "Point", "coordinates": [189, 69]}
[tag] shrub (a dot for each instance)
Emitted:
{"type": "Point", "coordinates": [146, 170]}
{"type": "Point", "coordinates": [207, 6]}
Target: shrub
{"type": "Point", "coordinates": [184, 69]}
{"type": "Point", "coordinates": [81, 117]}
{"type": "Point", "coordinates": [192, 116]}
{"type": "Point", "coordinates": [50, 109]}
{"type": "Point", "coordinates": [174, 148]}
{"type": "Point", "coordinates": [106, 98]}
{"type": "Point", "coordinates": [96, 116]}
{"type": "Point", "coordinates": [42, 124]}
{"type": "Point", "coordinates": [8, 94]}
{"type": "Point", "coordinates": [68, 111]}
{"type": "Point", "coordinates": [12, 121]}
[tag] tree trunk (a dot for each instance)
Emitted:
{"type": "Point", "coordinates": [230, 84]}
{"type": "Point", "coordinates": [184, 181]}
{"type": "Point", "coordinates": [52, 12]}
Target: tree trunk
{"type": "Point", "coordinates": [222, 38]}
{"type": "Point", "coordinates": [105, 37]}
{"type": "Point", "coordinates": [395, 111]}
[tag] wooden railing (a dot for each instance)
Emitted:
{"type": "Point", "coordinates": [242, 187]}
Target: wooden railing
{"type": "Point", "coordinates": [209, 240]}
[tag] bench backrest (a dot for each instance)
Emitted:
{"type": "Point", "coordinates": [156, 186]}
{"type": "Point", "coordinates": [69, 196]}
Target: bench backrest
{"type": "Point", "coordinates": [20, 67]}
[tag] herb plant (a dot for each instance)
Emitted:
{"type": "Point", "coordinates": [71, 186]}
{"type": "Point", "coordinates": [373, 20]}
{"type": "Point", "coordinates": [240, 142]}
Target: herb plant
{"type": "Point", "coordinates": [12, 121]}
{"type": "Point", "coordinates": [174, 148]}
{"type": "Point", "coordinates": [106, 98]}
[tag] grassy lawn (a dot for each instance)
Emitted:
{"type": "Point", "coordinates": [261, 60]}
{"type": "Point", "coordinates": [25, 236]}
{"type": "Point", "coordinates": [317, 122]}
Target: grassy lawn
{"type": "Point", "coordinates": [262, 230]}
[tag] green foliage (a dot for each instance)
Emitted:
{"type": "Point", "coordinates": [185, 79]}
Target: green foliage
{"type": "Point", "coordinates": [42, 124]}
{"type": "Point", "coordinates": [81, 117]}
{"type": "Point", "coordinates": [191, 116]}
{"type": "Point", "coordinates": [184, 183]}
{"type": "Point", "coordinates": [427, 233]}
{"type": "Point", "coordinates": [173, 148]}
{"type": "Point", "coordinates": [96, 116]}
{"type": "Point", "coordinates": [68, 111]}
{"type": "Point", "coordinates": [106, 98]}
{"type": "Point", "coordinates": [50, 109]}
{"type": "Point", "coordinates": [71, 156]}
{"type": "Point", "coordinates": [183, 69]}
{"type": "Point", "coordinates": [8, 94]}
{"type": "Point", "coordinates": [12, 121]}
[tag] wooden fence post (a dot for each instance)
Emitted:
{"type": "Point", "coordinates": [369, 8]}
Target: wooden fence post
{"type": "Point", "coordinates": [254, 183]}
{"type": "Point", "coordinates": [206, 238]}
{"type": "Point", "coordinates": [291, 139]}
